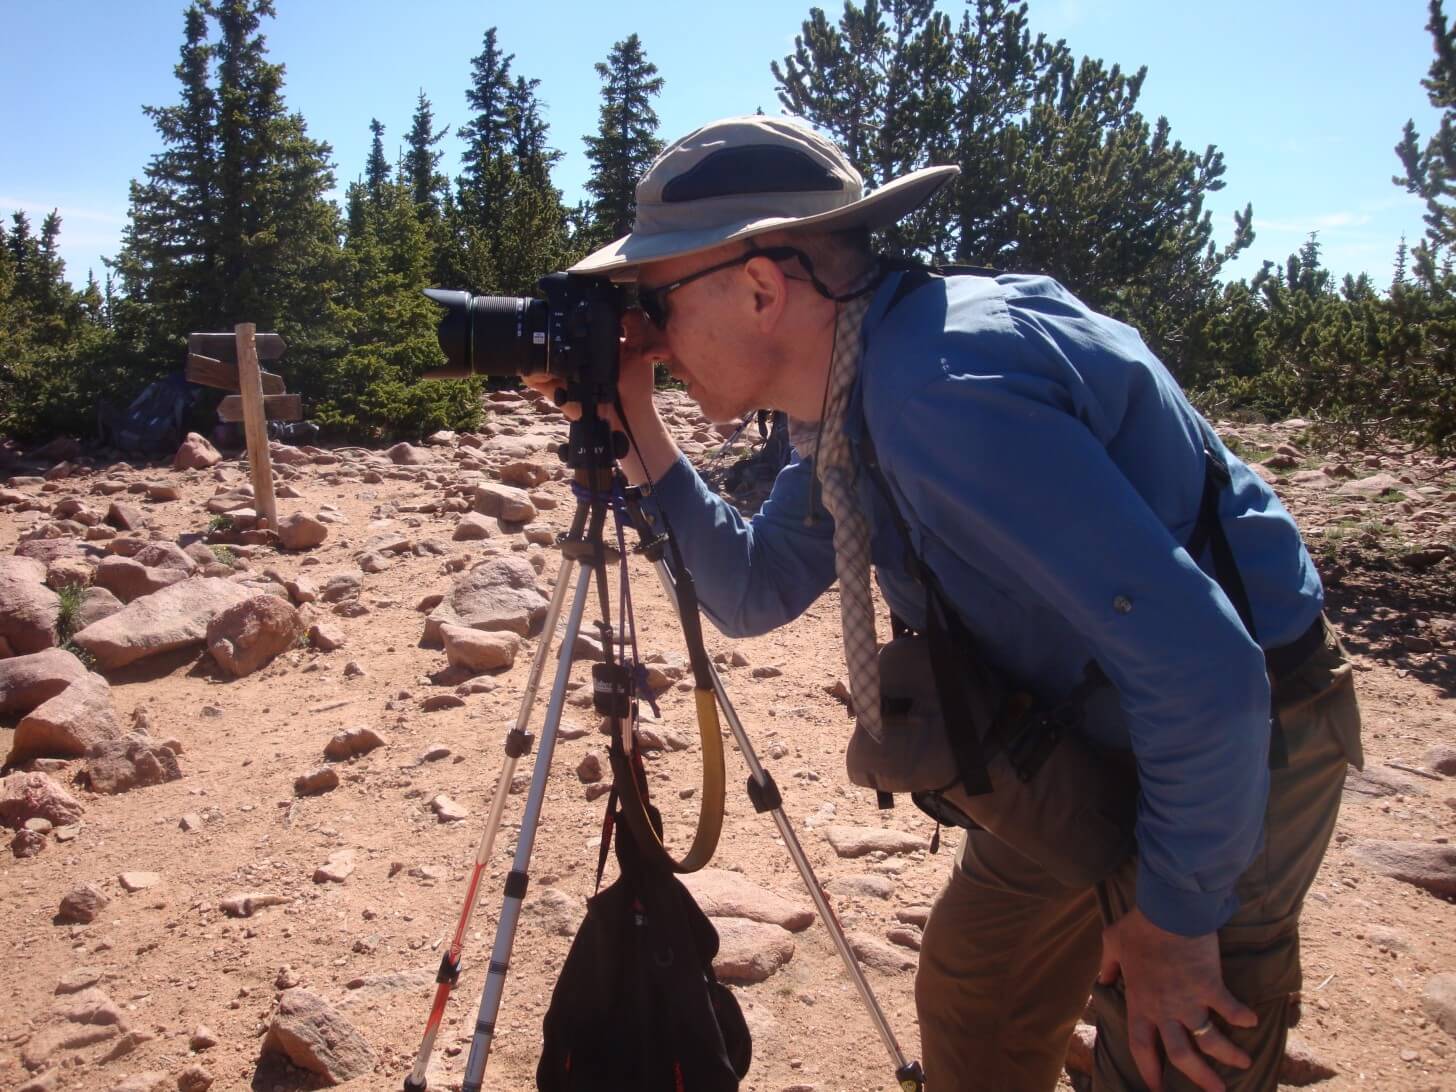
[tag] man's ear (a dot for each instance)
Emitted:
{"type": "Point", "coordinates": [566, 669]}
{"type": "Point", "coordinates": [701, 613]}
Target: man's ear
{"type": "Point", "coordinates": [769, 290]}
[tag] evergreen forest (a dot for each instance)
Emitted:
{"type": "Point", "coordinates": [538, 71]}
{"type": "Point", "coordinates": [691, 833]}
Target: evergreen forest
{"type": "Point", "coordinates": [233, 220]}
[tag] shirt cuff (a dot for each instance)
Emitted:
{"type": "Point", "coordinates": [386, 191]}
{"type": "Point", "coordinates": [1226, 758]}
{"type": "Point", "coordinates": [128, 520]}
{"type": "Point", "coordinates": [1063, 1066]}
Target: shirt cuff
{"type": "Point", "coordinates": [1179, 910]}
{"type": "Point", "coordinates": [675, 488]}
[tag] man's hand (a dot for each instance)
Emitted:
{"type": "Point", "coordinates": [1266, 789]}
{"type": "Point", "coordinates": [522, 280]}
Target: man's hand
{"type": "Point", "coordinates": [1174, 986]}
{"type": "Point", "coordinates": [643, 344]}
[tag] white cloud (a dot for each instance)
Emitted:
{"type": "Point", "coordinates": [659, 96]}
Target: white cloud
{"type": "Point", "coordinates": [1303, 226]}
{"type": "Point", "coordinates": [68, 212]}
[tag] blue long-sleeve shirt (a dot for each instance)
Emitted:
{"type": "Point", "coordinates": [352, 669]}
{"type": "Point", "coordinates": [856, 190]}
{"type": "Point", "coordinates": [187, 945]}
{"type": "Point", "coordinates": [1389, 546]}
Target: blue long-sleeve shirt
{"type": "Point", "coordinates": [1050, 469]}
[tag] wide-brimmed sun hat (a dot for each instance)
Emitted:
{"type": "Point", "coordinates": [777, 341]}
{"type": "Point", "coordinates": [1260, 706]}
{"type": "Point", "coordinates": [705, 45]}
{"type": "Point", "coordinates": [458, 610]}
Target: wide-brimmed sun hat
{"type": "Point", "coordinates": [740, 177]}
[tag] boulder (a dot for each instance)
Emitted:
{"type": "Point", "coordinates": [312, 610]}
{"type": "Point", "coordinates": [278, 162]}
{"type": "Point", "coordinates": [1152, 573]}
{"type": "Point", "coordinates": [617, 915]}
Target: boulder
{"type": "Point", "coordinates": [68, 724]}
{"type": "Point", "coordinates": [247, 635]}
{"type": "Point", "coordinates": [1374, 486]}
{"type": "Point", "coordinates": [128, 579]}
{"type": "Point", "coordinates": [359, 740]}
{"type": "Point", "coordinates": [68, 572]}
{"type": "Point", "coordinates": [175, 617]}
{"type": "Point", "coordinates": [316, 782]}
{"type": "Point", "coordinates": [479, 650]}
{"type": "Point", "coordinates": [82, 904]}
{"type": "Point", "coordinates": [724, 894]}
{"type": "Point", "coordinates": [96, 604]}
{"type": "Point", "coordinates": [498, 594]}
{"type": "Point", "coordinates": [1439, 1000]}
{"type": "Point", "coordinates": [117, 765]}
{"type": "Point", "coordinates": [403, 454]}
{"type": "Point", "coordinates": [873, 952]}
{"type": "Point", "coordinates": [165, 555]}
{"type": "Point", "coordinates": [473, 527]}
{"type": "Point", "coordinates": [26, 796]}
{"type": "Point", "coordinates": [504, 502]}
{"type": "Point", "coordinates": [859, 841]}
{"type": "Point", "coordinates": [1429, 866]}
{"type": "Point", "coordinates": [27, 681]}
{"type": "Point", "coordinates": [524, 474]}
{"type": "Point", "coordinates": [195, 454]}
{"type": "Point", "coordinates": [1301, 1064]}
{"type": "Point", "coordinates": [125, 517]}
{"type": "Point", "coordinates": [29, 611]}
{"type": "Point", "coordinates": [750, 951]}
{"type": "Point", "coordinates": [311, 1034]}
{"type": "Point", "coordinates": [301, 532]}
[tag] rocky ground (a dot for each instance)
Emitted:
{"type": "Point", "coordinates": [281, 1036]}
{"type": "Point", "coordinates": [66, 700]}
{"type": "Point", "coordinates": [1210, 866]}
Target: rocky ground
{"type": "Point", "coordinates": [242, 820]}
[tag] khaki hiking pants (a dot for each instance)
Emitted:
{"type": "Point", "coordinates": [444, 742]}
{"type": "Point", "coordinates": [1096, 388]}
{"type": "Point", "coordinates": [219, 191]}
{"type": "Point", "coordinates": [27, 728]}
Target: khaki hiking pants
{"type": "Point", "coordinates": [1009, 954]}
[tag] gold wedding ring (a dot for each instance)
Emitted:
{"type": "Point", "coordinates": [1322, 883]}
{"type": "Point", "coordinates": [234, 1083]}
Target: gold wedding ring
{"type": "Point", "coordinates": [1203, 1029]}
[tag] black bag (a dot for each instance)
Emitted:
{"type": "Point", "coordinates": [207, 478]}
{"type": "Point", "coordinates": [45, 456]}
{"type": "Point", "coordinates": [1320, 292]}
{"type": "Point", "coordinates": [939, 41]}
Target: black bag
{"type": "Point", "coordinates": [637, 1005]}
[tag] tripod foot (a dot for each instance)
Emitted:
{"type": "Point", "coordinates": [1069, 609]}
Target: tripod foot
{"type": "Point", "coordinates": [911, 1077]}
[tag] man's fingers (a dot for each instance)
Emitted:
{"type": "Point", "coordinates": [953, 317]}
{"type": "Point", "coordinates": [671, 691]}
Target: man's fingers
{"type": "Point", "coordinates": [1217, 1046]}
{"type": "Point", "coordinates": [1142, 1039]}
{"type": "Point", "coordinates": [1232, 1009]}
{"type": "Point", "coordinates": [1182, 1054]}
{"type": "Point", "coordinates": [1107, 973]}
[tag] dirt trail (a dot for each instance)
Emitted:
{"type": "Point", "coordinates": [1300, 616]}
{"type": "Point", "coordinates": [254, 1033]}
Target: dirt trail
{"type": "Point", "coordinates": [171, 960]}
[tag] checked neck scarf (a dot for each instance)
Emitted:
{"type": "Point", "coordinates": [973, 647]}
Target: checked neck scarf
{"type": "Point", "coordinates": [851, 529]}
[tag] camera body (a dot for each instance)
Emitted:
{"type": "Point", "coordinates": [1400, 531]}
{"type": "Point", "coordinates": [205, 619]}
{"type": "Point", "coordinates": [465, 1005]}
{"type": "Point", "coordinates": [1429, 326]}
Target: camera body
{"type": "Point", "coordinates": [573, 333]}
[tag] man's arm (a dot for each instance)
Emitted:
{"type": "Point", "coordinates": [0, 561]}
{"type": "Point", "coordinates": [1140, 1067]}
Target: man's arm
{"type": "Point", "coordinates": [1031, 491]}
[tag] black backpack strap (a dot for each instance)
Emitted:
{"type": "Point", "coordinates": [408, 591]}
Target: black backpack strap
{"type": "Point", "coordinates": [1208, 533]}
{"type": "Point", "coordinates": [917, 275]}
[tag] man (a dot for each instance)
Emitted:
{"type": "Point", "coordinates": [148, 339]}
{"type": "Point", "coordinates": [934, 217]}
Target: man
{"type": "Point", "coordinates": [1048, 473]}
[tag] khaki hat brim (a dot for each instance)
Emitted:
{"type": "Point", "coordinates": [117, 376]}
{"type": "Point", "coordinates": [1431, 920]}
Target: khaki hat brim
{"type": "Point", "coordinates": [892, 201]}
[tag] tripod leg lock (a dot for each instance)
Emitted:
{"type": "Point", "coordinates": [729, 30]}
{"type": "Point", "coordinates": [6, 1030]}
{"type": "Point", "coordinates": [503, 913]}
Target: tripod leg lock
{"type": "Point", "coordinates": [449, 970]}
{"type": "Point", "coordinates": [518, 743]}
{"type": "Point", "coordinates": [764, 794]}
{"type": "Point", "coordinates": [516, 884]}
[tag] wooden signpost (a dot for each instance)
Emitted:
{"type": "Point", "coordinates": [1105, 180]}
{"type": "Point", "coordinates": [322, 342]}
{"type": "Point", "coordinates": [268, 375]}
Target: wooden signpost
{"type": "Point", "coordinates": [230, 362]}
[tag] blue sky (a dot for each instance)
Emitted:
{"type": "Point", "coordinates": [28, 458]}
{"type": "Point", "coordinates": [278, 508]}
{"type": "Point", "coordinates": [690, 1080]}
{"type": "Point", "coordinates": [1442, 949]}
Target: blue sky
{"type": "Point", "coordinates": [1305, 98]}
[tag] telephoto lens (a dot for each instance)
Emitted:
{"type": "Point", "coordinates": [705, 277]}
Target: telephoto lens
{"type": "Point", "coordinates": [490, 335]}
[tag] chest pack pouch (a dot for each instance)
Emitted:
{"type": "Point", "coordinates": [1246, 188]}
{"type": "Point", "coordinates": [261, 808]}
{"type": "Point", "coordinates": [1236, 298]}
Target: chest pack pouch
{"type": "Point", "coordinates": [975, 752]}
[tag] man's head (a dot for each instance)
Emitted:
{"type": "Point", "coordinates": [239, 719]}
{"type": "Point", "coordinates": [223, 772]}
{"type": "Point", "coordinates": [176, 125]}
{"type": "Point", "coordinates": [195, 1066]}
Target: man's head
{"type": "Point", "coordinates": [746, 229]}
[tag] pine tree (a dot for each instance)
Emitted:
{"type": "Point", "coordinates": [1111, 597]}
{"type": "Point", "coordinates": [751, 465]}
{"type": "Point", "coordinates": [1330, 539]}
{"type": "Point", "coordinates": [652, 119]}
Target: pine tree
{"type": "Point", "coordinates": [626, 142]}
{"type": "Point", "coordinates": [428, 186]}
{"type": "Point", "coordinates": [277, 237]}
{"type": "Point", "coordinates": [1430, 170]}
{"type": "Point", "coordinates": [167, 267]}
{"type": "Point", "coordinates": [507, 226]}
{"type": "Point", "coordinates": [376, 169]}
{"type": "Point", "coordinates": [1062, 174]}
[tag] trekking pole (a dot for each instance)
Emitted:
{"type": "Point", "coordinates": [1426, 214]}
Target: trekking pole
{"type": "Point", "coordinates": [518, 743]}
{"type": "Point", "coordinates": [765, 796]}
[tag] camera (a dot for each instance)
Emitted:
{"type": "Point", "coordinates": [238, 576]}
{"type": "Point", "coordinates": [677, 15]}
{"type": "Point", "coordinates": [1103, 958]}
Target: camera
{"type": "Point", "coordinates": [574, 333]}
{"type": "Point", "coordinates": [571, 333]}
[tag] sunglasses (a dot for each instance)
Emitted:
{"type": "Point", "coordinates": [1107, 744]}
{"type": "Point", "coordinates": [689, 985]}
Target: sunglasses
{"type": "Point", "coordinates": [653, 301]}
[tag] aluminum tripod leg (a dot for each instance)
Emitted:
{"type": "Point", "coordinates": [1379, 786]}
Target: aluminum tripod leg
{"type": "Point", "coordinates": [518, 742]}
{"type": "Point", "coordinates": [515, 888]}
{"type": "Point", "coordinates": [766, 798]}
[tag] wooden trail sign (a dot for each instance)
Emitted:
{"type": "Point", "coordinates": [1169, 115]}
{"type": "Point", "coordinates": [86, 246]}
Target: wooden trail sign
{"type": "Point", "coordinates": [208, 371]}
{"type": "Point", "coordinates": [224, 347]}
{"type": "Point", "coordinates": [230, 362]}
{"type": "Point", "coordinates": [276, 407]}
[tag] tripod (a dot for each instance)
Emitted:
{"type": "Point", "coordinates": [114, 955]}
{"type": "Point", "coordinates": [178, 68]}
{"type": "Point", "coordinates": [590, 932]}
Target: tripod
{"type": "Point", "coordinates": [585, 554]}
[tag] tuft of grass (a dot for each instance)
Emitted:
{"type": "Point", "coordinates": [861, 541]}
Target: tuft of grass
{"type": "Point", "coordinates": [220, 522]}
{"type": "Point", "coordinates": [224, 555]}
{"type": "Point", "coordinates": [66, 624]}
